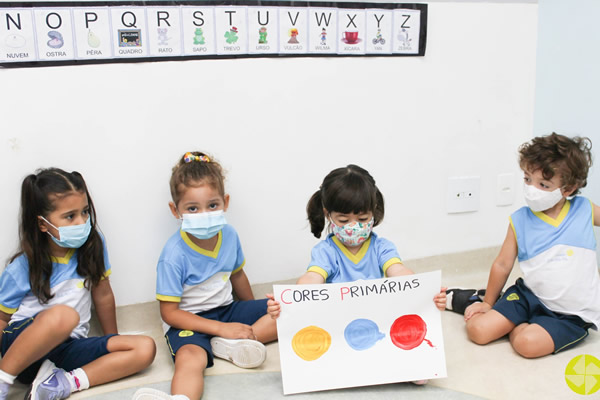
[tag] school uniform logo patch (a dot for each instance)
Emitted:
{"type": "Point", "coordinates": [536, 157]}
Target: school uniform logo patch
{"type": "Point", "coordinates": [512, 297]}
{"type": "Point", "coordinates": [185, 333]}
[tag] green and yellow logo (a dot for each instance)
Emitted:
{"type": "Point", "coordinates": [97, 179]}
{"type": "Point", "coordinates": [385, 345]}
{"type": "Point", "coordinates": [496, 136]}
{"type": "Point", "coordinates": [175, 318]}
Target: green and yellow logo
{"type": "Point", "coordinates": [583, 374]}
{"type": "Point", "coordinates": [185, 333]}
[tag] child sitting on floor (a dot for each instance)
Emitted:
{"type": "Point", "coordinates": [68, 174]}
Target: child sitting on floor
{"type": "Point", "coordinates": [199, 267]}
{"type": "Point", "coordinates": [558, 299]}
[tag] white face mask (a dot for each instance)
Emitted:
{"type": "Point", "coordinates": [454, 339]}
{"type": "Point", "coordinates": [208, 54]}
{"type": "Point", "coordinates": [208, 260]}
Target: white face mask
{"type": "Point", "coordinates": [540, 200]}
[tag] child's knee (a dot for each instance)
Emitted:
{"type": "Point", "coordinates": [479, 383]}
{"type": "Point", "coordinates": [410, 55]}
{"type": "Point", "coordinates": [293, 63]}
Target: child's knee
{"type": "Point", "coordinates": [530, 345]}
{"type": "Point", "coordinates": [477, 332]}
{"type": "Point", "coordinates": [191, 357]}
{"type": "Point", "coordinates": [145, 350]}
{"type": "Point", "coordinates": [59, 318]}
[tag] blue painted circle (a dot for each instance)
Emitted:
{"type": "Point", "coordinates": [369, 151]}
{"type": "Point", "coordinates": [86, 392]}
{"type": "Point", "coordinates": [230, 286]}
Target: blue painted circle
{"type": "Point", "coordinates": [362, 334]}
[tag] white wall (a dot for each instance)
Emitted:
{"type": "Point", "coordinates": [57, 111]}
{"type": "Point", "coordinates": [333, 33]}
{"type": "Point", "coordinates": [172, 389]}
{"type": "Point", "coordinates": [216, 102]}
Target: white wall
{"type": "Point", "coordinates": [567, 76]}
{"type": "Point", "coordinates": [568, 82]}
{"type": "Point", "coordinates": [279, 126]}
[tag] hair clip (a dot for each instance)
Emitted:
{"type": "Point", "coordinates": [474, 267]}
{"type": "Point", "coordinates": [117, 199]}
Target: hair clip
{"type": "Point", "coordinates": [189, 157]}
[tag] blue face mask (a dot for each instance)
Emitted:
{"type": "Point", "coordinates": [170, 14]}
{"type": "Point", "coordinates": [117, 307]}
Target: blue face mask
{"type": "Point", "coordinates": [72, 236]}
{"type": "Point", "coordinates": [203, 225]}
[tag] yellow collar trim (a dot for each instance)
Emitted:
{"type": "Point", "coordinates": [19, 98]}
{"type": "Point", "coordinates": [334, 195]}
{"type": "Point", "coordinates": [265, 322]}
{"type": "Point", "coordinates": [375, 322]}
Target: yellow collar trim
{"type": "Point", "coordinates": [559, 219]}
{"type": "Point", "coordinates": [355, 258]}
{"type": "Point", "coordinates": [214, 253]}
{"type": "Point", "coordinates": [65, 259]}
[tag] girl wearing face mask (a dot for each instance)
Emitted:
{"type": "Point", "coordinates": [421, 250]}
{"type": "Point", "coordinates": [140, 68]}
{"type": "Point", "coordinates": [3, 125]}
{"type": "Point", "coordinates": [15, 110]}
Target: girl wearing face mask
{"type": "Point", "coordinates": [348, 206]}
{"type": "Point", "coordinates": [199, 267]}
{"type": "Point", "coordinates": [46, 294]}
{"type": "Point", "coordinates": [557, 300]}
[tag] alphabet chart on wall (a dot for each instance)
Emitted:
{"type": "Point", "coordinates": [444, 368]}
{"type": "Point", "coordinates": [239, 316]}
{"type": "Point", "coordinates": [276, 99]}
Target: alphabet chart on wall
{"type": "Point", "coordinates": [47, 33]}
{"type": "Point", "coordinates": [360, 333]}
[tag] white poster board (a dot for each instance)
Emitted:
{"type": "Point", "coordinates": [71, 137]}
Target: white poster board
{"type": "Point", "coordinates": [360, 333]}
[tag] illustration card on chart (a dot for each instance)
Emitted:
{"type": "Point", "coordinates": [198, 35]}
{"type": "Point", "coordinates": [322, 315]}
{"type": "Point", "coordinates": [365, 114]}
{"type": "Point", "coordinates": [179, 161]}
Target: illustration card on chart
{"type": "Point", "coordinates": [164, 31]}
{"type": "Point", "coordinates": [92, 33]}
{"type": "Point", "coordinates": [360, 333]}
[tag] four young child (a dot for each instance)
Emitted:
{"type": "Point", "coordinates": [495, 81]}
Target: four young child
{"type": "Point", "coordinates": [62, 268]}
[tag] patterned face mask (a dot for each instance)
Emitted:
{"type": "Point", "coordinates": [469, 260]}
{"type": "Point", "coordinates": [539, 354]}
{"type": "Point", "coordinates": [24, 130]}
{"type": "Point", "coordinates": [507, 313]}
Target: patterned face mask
{"type": "Point", "coordinates": [353, 233]}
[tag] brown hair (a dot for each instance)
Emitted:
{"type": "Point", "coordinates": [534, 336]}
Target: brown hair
{"type": "Point", "coordinates": [39, 192]}
{"type": "Point", "coordinates": [570, 158]}
{"type": "Point", "coordinates": [350, 189]}
{"type": "Point", "coordinates": [193, 168]}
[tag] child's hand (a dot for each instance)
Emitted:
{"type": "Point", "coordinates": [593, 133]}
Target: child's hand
{"type": "Point", "coordinates": [475, 308]}
{"type": "Point", "coordinates": [440, 299]}
{"type": "Point", "coordinates": [236, 330]}
{"type": "Point", "coordinates": [273, 307]}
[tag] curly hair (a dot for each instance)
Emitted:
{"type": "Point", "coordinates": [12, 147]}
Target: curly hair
{"type": "Point", "coordinates": [570, 158]}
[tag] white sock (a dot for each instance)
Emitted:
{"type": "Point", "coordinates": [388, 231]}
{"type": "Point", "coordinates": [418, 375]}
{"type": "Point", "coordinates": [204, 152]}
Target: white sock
{"type": "Point", "coordinates": [7, 378]}
{"type": "Point", "coordinates": [179, 397]}
{"type": "Point", "coordinates": [78, 379]}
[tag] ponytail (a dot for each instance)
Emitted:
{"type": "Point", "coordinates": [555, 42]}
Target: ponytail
{"type": "Point", "coordinates": [316, 216]}
{"type": "Point", "coordinates": [33, 242]}
{"type": "Point", "coordinates": [379, 210]}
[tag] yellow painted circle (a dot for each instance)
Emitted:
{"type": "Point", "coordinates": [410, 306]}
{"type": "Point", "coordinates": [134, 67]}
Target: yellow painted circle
{"type": "Point", "coordinates": [311, 342]}
{"type": "Point", "coordinates": [583, 374]}
{"type": "Point", "coordinates": [80, 285]}
{"type": "Point", "coordinates": [185, 333]}
{"type": "Point", "coordinates": [570, 252]}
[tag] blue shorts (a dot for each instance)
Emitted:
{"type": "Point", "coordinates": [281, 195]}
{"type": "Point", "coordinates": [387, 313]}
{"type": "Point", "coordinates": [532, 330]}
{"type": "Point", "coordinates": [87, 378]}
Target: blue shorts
{"type": "Point", "coordinates": [245, 312]}
{"type": "Point", "coordinates": [520, 305]}
{"type": "Point", "coordinates": [71, 354]}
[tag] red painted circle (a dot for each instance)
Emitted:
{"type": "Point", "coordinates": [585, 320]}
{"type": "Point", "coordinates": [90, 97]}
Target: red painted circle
{"type": "Point", "coordinates": [408, 331]}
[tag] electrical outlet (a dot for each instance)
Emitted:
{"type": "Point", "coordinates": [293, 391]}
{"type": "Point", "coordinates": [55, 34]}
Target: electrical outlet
{"type": "Point", "coordinates": [505, 189]}
{"type": "Point", "coordinates": [463, 194]}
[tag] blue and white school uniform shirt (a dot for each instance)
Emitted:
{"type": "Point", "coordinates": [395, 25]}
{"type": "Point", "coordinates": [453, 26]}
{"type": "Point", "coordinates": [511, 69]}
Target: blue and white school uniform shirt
{"type": "Point", "coordinates": [198, 279]}
{"type": "Point", "coordinates": [336, 264]}
{"type": "Point", "coordinates": [558, 258]}
{"type": "Point", "coordinates": [66, 285]}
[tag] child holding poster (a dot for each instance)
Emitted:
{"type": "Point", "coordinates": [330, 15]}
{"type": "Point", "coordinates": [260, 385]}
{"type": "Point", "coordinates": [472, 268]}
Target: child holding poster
{"type": "Point", "coordinates": [47, 291]}
{"type": "Point", "coordinates": [199, 267]}
{"type": "Point", "coordinates": [350, 205]}
{"type": "Point", "coordinates": [558, 299]}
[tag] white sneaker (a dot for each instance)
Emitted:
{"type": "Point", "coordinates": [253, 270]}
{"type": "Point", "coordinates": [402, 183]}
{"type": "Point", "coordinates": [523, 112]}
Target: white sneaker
{"type": "Point", "coordinates": [4, 388]}
{"type": "Point", "coordinates": [154, 394]}
{"type": "Point", "coordinates": [50, 383]}
{"type": "Point", "coordinates": [244, 353]}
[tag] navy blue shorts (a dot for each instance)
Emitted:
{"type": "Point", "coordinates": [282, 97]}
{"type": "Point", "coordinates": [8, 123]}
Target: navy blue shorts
{"type": "Point", "coordinates": [71, 354]}
{"type": "Point", "coordinates": [520, 305]}
{"type": "Point", "coordinates": [245, 312]}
